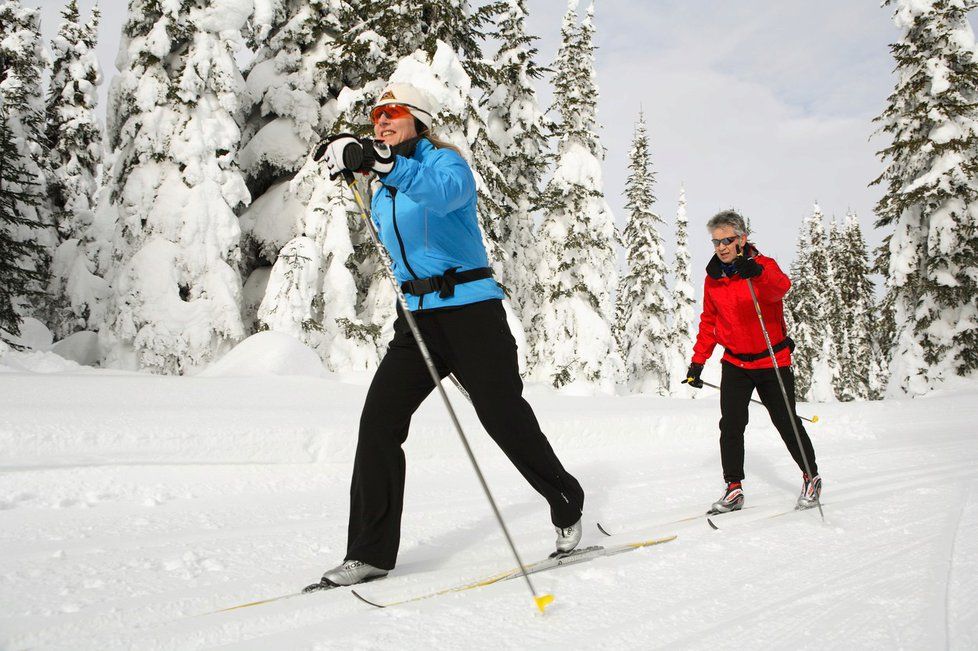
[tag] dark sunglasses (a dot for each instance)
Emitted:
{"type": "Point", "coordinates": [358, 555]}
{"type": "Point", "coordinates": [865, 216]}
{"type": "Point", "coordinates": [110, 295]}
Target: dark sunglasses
{"type": "Point", "coordinates": [725, 240]}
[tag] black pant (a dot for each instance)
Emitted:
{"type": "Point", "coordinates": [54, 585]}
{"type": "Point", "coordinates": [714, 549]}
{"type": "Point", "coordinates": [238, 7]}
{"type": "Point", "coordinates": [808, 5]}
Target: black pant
{"type": "Point", "coordinates": [736, 386]}
{"type": "Point", "coordinates": [473, 342]}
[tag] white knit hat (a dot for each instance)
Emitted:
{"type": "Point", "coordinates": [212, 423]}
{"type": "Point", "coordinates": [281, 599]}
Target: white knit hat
{"type": "Point", "coordinates": [411, 97]}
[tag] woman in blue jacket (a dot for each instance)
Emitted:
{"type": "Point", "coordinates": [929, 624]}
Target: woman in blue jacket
{"type": "Point", "coordinates": [425, 212]}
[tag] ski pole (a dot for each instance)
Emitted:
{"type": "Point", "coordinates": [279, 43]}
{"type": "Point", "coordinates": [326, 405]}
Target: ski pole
{"type": "Point", "coordinates": [813, 419]}
{"type": "Point", "coordinates": [541, 600]}
{"type": "Point", "coordinates": [784, 392]}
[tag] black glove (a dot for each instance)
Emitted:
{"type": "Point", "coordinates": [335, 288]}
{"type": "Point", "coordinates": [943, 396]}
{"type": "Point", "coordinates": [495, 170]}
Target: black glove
{"type": "Point", "coordinates": [747, 267]}
{"type": "Point", "coordinates": [344, 153]}
{"type": "Point", "coordinates": [377, 157]}
{"type": "Point", "coordinates": [693, 376]}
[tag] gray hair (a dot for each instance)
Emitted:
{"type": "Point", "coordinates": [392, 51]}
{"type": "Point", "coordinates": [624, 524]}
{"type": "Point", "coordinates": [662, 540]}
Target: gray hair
{"type": "Point", "coordinates": [730, 218]}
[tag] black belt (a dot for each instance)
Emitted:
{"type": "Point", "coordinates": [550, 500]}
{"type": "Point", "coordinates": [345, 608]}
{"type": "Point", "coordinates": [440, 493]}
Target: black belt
{"type": "Point", "coordinates": [445, 284]}
{"type": "Point", "coordinates": [753, 357]}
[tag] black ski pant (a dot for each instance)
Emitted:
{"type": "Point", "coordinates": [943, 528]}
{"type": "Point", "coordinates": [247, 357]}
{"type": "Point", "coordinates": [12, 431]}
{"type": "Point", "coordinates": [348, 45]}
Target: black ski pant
{"type": "Point", "coordinates": [736, 386]}
{"type": "Point", "coordinates": [475, 343]}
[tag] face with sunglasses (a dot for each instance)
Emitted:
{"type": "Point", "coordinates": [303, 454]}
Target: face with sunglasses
{"type": "Point", "coordinates": [726, 243]}
{"type": "Point", "coordinates": [393, 124]}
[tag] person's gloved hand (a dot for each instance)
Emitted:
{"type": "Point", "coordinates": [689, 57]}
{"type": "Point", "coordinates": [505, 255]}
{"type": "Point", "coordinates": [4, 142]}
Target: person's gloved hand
{"type": "Point", "coordinates": [693, 376]}
{"type": "Point", "coordinates": [345, 153]}
{"type": "Point", "coordinates": [377, 157]}
{"type": "Point", "coordinates": [341, 153]}
{"type": "Point", "coordinates": [747, 267]}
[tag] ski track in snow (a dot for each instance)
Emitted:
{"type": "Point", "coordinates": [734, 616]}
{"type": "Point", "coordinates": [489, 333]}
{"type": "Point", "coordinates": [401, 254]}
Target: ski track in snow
{"type": "Point", "coordinates": [132, 507]}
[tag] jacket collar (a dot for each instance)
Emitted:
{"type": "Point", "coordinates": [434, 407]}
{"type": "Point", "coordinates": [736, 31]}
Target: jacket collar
{"type": "Point", "coordinates": [422, 148]}
{"type": "Point", "coordinates": [714, 269]}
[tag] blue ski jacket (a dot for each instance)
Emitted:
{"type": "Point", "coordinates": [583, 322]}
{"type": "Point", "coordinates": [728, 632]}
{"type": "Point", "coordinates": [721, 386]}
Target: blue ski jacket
{"type": "Point", "coordinates": [425, 212]}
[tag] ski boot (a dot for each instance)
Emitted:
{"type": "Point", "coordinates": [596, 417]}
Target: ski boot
{"type": "Point", "coordinates": [811, 491]}
{"type": "Point", "coordinates": [732, 500]}
{"type": "Point", "coordinates": [348, 573]}
{"type": "Point", "coordinates": [568, 539]}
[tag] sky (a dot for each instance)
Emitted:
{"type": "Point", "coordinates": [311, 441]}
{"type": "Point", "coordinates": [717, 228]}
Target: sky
{"type": "Point", "coordinates": [763, 106]}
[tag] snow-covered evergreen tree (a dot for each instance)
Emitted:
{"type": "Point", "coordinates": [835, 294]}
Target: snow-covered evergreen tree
{"type": "Point", "coordinates": [931, 196]}
{"type": "Point", "coordinates": [75, 137]}
{"type": "Point", "coordinates": [175, 186]}
{"type": "Point", "coordinates": [20, 277]}
{"type": "Point", "coordinates": [853, 312]}
{"type": "Point", "coordinates": [572, 339]}
{"type": "Point", "coordinates": [517, 126]}
{"type": "Point", "coordinates": [297, 236]}
{"type": "Point", "coordinates": [808, 300]}
{"type": "Point", "coordinates": [29, 234]}
{"type": "Point", "coordinates": [682, 336]}
{"type": "Point", "coordinates": [325, 63]}
{"type": "Point", "coordinates": [643, 304]}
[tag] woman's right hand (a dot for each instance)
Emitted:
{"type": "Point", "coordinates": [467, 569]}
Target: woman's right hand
{"type": "Point", "coordinates": [345, 153]}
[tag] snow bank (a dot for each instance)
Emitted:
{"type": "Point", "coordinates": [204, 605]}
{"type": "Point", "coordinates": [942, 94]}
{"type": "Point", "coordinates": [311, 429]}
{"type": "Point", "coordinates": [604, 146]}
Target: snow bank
{"type": "Point", "coordinates": [34, 361]}
{"type": "Point", "coordinates": [33, 335]}
{"type": "Point", "coordinates": [267, 353]}
{"type": "Point", "coordinates": [80, 348]}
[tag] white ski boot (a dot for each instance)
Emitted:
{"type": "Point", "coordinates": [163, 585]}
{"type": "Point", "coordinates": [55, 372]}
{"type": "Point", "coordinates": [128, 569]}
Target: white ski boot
{"type": "Point", "coordinates": [349, 573]}
{"type": "Point", "coordinates": [732, 500]}
{"type": "Point", "coordinates": [811, 491]}
{"type": "Point", "coordinates": [568, 538]}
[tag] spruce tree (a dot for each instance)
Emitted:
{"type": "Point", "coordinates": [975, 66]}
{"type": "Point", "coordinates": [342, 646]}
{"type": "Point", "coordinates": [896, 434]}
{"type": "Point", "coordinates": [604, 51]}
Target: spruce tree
{"type": "Point", "coordinates": [75, 137]}
{"type": "Point", "coordinates": [518, 127]}
{"type": "Point", "coordinates": [853, 312]}
{"type": "Point", "coordinates": [808, 301]}
{"type": "Point", "coordinates": [572, 339]}
{"type": "Point", "coordinates": [338, 57]}
{"type": "Point", "coordinates": [931, 249]}
{"type": "Point", "coordinates": [174, 187]}
{"type": "Point", "coordinates": [20, 277]}
{"type": "Point", "coordinates": [683, 304]}
{"type": "Point", "coordinates": [27, 220]}
{"type": "Point", "coordinates": [297, 239]}
{"type": "Point", "coordinates": [643, 300]}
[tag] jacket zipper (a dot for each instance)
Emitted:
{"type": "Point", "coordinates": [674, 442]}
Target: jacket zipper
{"type": "Point", "coordinates": [400, 242]}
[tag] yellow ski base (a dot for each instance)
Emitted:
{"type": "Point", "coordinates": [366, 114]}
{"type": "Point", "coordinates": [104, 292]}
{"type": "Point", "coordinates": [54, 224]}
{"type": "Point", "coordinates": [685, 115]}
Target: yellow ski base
{"type": "Point", "coordinates": [547, 564]}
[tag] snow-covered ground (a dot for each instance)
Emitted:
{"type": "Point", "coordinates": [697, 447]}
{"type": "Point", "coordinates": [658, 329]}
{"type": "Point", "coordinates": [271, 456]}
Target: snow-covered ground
{"type": "Point", "coordinates": [131, 506]}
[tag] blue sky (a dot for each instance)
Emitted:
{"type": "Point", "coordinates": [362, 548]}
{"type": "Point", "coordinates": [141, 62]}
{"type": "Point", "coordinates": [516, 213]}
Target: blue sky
{"type": "Point", "coordinates": [764, 106]}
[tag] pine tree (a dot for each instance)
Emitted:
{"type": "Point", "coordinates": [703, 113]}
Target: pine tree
{"type": "Point", "coordinates": [684, 304]}
{"type": "Point", "coordinates": [20, 278]}
{"type": "Point", "coordinates": [572, 339]}
{"type": "Point", "coordinates": [297, 239]}
{"type": "Point", "coordinates": [175, 187]}
{"type": "Point", "coordinates": [853, 312]}
{"type": "Point", "coordinates": [930, 253]}
{"type": "Point", "coordinates": [75, 137]}
{"type": "Point", "coordinates": [28, 230]}
{"type": "Point", "coordinates": [813, 359]}
{"type": "Point", "coordinates": [518, 128]}
{"type": "Point", "coordinates": [643, 299]}
{"type": "Point", "coordinates": [338, 57]}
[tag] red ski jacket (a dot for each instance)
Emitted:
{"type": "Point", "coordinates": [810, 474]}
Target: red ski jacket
{"type": "Point", "coordinates": [729, 318]}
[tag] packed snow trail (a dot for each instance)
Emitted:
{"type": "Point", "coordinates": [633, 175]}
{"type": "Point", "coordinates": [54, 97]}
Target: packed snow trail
{"type": "Point", "coordinates": [130, 505]}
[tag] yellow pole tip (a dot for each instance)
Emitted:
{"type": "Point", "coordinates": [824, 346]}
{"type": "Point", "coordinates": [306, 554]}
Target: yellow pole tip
{"type": "Point", "coordinates": [814, 419]}
{"type": "Point", "coordinates": [543, 601]}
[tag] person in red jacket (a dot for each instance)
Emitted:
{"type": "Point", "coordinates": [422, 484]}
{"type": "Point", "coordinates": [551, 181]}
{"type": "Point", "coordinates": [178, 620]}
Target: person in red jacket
{"type": "Point", "coordinates": [729, 319]}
